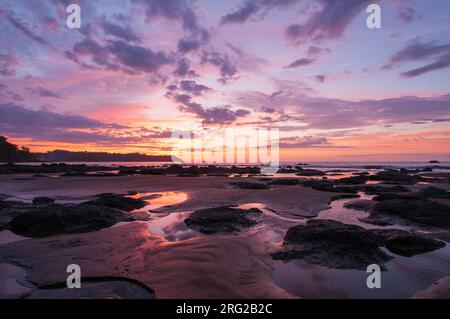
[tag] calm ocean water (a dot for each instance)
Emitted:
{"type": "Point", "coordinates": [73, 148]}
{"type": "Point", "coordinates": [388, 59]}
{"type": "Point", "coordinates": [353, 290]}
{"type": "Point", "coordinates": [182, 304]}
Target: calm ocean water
{"type": "Point", "coordinates": [323, 165]}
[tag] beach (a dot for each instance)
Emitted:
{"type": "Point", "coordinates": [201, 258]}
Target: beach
{"type": "Point", "coordinates": [154, 252]}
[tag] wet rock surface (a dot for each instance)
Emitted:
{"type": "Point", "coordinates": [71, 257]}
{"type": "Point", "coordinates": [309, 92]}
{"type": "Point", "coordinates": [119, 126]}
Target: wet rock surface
{"type": "Point", "coordinates": [43, 200]}
{"type": "Point", "coordinates": [333, 244]}
{"type": "Point", "coordinates": [284, 181]}
{"type": "Point", "coordinates": [396, 177]}
{"type": "Point", "coordinates": [249, 185]}
{"type": "Point", "coordinates": [224, 219]}
{"type": "Point", "coordinates": [56, 219]}
{"type": "Point", "coordinates": [96, 288]}
{"type": "Point", "coordinates": [328, 186]}
{"type": "Point", "coordinates": [407, 244]}
{"type": "Point", "coordinates": [118, 201]}
{"type": "Point", "coordinates": [416, 211]}
{"type": "Point", "coordinates": [359, 204]}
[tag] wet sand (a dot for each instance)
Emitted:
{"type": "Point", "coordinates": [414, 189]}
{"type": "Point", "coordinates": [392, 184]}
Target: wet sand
{"type": "Point", "coordinates": [176, 262]}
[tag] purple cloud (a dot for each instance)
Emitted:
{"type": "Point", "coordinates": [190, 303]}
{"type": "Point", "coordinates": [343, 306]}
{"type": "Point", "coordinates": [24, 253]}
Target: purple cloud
{"type": "Point", "coordinates": [228, 69]}
{"type": "Point", "coordinates": [123, 33]}
{"type": "Point", "coordinates": [417, 51]}
{"type": "Point", "coordinates": [27, 32]}
{"type": "Point", "coordinates": [118, 55]}
{"type": "Point", "coordinates": [329, 22]}
{"type": "Point", "coordinates": [299, 62]}
{"type": "Point", "coordinates": [194, 88]}
{"type": "Point", "coordinates": [327, 113]}
{"type": "Point", "coordinates": [7, 63]}
{"type": "Point", "coordinates": [215, 115]}
{"type": "Point", "coordinates": [43, 92]}
{"type": "Point", "coordinates": [253, 7]}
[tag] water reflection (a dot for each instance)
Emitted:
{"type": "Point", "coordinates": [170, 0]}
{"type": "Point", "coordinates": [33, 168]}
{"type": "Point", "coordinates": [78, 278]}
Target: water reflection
{"type": "Point", "coordinates": [161, 199]}
{"type": "Point", "coordinates": [404, 277]}
{"type": "Point", "coordinates": [10, 276]}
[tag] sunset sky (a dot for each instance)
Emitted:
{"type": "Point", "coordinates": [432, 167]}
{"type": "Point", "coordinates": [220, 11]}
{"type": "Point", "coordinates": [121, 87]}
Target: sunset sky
{"type": "Point", "coordinates": [138, 70]}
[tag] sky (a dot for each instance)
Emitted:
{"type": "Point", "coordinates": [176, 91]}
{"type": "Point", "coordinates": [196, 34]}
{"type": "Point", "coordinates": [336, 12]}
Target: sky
{"type": "Point", "coordinates": [138, 70]}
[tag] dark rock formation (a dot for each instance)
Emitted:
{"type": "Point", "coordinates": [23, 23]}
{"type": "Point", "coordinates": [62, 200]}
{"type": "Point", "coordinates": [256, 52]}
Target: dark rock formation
{"type": "Point", "coordinates": [417, 211]}
{"type": "Point", "coordinates": [43, 200]}
{"type": "Point", "coordinates": [249, 185]}
{"type": "Point", "coordinates": [407, 244]}
{"type": "Point", "coordinates": [359, 204]}
{"type": "Point", "coordinates": [56, 219]}
{"type": "Point", "coordinates": [333, 244]}
{"type": "Point", "coordinates": [284, 181]}
{"type": "Point", "coordinates": [118, 201]}
{"type": "Point", "coordinates": [221, 219]}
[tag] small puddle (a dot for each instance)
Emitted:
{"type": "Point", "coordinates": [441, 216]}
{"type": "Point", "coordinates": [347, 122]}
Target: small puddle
{"type": "Point", "coordinates": [403, 278]}
{"type": "Point", "coordinates": [10, 276]}
{"type": "Point", "coordinates": [170, 226]}
{"type": "Point", "coordinates": [156, 200]}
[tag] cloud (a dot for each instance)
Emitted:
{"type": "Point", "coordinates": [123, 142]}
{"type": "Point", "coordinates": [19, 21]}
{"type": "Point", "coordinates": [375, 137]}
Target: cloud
{"type": "Point", "coordinates": [14, 116]}
{"type": "Point", "coordinates": [320, 78]}
{"type": "Point", "coordinates": [178, 10]}
{"type": "Point", "coordinates": [303, 142]}
{"type": "Point", "coordinates": [123, 33]}
{"type": "Point", "coordinates": [183, 69]}
{"type": "Point", "coordinates": [299, 62]}
{"type": "Point", "coordinates": [227, 68]}
{"type": "Point", "coordinates": [193, 88]}
{"type": "Point", "coordinates": [328, 113]}
{"type": "Point", "coordinates": [42, 92]}
{"type": "Point", "coordinates": [439, 54]}
{"type": "Point", "coordinates": [408, 15]}
{"type": "Point", "coordinates": [327, 23]}
{"type": "Point", "coordinates": [7, 63]}
{"type": "Point", "coordinates": [251, 8]}
{"type": "Point", "coordinates": [117, 55]}
{"type": "Point", "coordinates": [27, 32]}
{"type": "Point", "coordinates": [215, 115]}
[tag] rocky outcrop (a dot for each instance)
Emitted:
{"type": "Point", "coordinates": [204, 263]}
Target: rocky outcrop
{"type": "Point", "coordinates": [333, 244]}
{"type": "Point", "coordinates": [224, 219]}
{"type": "Point", "coordinates": [118, 201]}
{"type": "Point", "coordinates": [249, 185]}
{"type": "Point", "coordinates": [407, 244]}
{"type": "Point", "coordinates": [417, 211]}
{"type": "Point", "coordinates": [54, 219]}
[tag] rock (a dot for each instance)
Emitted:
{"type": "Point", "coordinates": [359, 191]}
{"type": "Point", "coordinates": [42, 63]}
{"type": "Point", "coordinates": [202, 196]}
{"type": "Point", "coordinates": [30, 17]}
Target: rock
{"type": "Point", "coordinates": [310, 172]}
{"type": "Point", "coordinates": [96, 288]}
{"type": "Point", "coordinates": [191, 174]}
{"type": "Point", "coordinates": [284, 181]}
{"type": "Point", "coordinates": [403, 196]}
{"type": "Point", "coordinates": [394, 176]}
{"type": "Point", "coordinates": [333, 244]}
{"type": "Point", "coordinates": [118, 201]}
{"type": "Point", "coordinates": [4, 204]}
{"type": "Point", "coordinates": [328, 186]}
{"type": "Point", "coordinates": [434, 162]}
{"type": "Point", "coordinates": [433, 192]}
{"type": "Point", "coordinates": [418, 211]}
{"type": "Point", "coordinates": [407, 244]}
{"type": "Point", "coordinates": [354, 180]}
{"type": "Point", "coordinates": [359, 204]}
{"type": "Point", "coordinates": [221, 219]}
{"type": "Point", "coordinates": [43, 200]}
{"type": "Point", "coordinates": [56, 219]}
{"type": "Point", "coordinates": [378, 189]}
{"type": "Point", "coordinates": [343, 196]}
{"type": "Point", "coordinates": [439, 290]}
{"type": "Point", "coordinates": [249, 185]}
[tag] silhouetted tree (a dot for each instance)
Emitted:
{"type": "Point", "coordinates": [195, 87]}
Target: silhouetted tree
{"type": "Point", "coordinates": [12, 153]}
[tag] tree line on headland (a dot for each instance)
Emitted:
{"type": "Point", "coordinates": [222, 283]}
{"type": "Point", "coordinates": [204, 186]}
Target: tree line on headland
{"type": "Point", "coordinates": [11, 153]}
